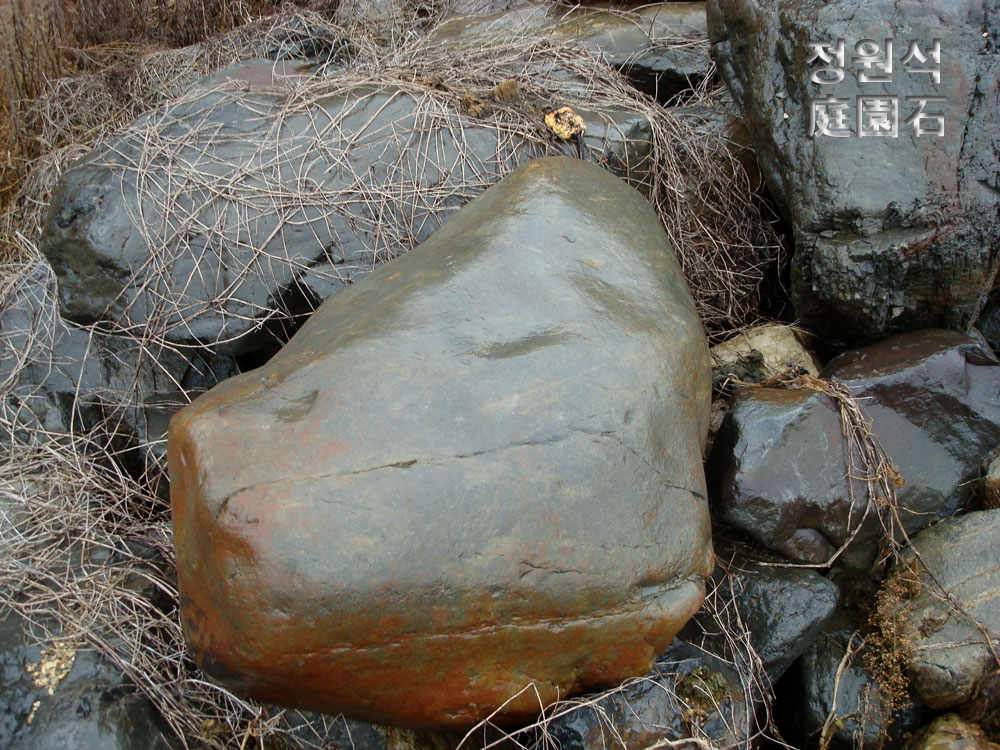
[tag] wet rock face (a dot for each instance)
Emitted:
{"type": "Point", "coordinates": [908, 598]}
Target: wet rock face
{"type": "Point", "coordinates": [865, 720]}
{"type": "Point", "coordinates": [952, 664]}
{"type": "Point", "coordinates": [913, 242]}
{"type": "Point", "coordinates": [689, 693]}
{"type": "Point", "coordinates": [478, 468]}
{"type": "Point", "coordinates": [782, 609]}
{"type": "Point", "coordinates": [778, 465]}
{"type": "Point", "coordinates": [62, 378]}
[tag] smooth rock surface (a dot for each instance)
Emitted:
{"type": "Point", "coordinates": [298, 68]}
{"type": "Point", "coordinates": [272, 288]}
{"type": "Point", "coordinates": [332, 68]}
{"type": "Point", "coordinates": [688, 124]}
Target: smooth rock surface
{"type": "Point", "coordinates": [478, 468]}
{"type": "Point", "coordinates": [689, 693]}
{"type": "Point", "coordinates": [862, 719]}
{"type": "Point", "coordinates": [891, 233]}
{"type": "Point", "coordinates": [778, 464]}
{"type": "Point", "coordinates": [951, 660]}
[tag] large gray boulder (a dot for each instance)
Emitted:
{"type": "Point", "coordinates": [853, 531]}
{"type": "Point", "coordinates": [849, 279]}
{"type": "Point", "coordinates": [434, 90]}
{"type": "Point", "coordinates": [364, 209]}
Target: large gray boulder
{"type": "Point", "coordinates": [218, 217]}
{"type": "Point", "coordinates": [477, 469]}
{"type": "Point", "coordinates": [895, 232]}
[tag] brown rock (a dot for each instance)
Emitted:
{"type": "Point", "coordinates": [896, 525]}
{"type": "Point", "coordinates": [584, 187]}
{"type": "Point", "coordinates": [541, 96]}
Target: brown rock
{"type": "Point", "coordinates": [950, 732]}
{"type": "Point", "coordinates": [475, 470]}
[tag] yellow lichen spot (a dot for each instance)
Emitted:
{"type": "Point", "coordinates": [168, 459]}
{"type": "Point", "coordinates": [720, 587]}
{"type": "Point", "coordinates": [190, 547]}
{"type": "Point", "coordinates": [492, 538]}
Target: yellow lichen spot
{"type": "Point", "coordinates": [55, 663]}
{"type": "Point", "coordinates": [34, 710]}
{"type": "Point", "coordinates": [565, 124]}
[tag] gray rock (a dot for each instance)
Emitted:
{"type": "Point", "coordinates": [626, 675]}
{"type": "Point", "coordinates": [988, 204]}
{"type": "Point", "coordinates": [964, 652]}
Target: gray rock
{"type": "Point", "coordinates": [782, 609]}
{"type": "Point", "coordinates": [689, 693]}
{"type": "Point", "coordinates": [189, 224]}
{"type": "Point", "coordinates": [891, 233]}
{"type": "Point", "coordinates": [951, 732]}
{"type": "Point", "coordinates": [864, 718]}
{"type": "Point", "coordinates": [59, 377]}
{"type": "Point", "coordinates": [90, 706]}
{"type": "Point", "coordinates": [778, 463]}
{"type": "Point", "coordinates": [660, 47]}
{"type": "Point", "coordinates": [496, 433]}
{"type": "Point", "coordinates": [951, 659]}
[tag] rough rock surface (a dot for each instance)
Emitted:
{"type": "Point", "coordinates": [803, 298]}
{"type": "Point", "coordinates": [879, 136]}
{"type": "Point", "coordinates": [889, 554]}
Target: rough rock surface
{"type": "Point", "coordinates": [951, 660]}
{"type": "Point", "coordinates": [782, 609]}
{"type": "Point", "coordinates": [173, 226]}
{"type": "Point", "coordinates": [864, 720]}
{"type": "Point", "coordinates": [90, 706]}
{"type": "Point", "coordinates": [477, 468]}
{"type": "Point", "coordinates": [951, 732]}
{"type": "Point", "coordinates": [659, 47]}
{"type": "Point", "coordinates": [783, 353]}
{"type": "Point", "coordinates": [689, 693]}
{"type": "Point", "coordinates": [60, 378]}
{"type": "Point", "coordinates": [891, 233]}
{"type": "Point", "coordinates": [931, 396]}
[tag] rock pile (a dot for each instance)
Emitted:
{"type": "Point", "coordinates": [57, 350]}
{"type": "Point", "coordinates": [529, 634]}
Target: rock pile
{"type": "Point", "coordinates": [489, 476]}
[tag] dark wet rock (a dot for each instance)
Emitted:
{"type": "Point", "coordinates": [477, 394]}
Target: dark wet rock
{"type": "Point", "coordinates": [951, 660]}
{"type": "Point", "coordinates": [228, 260]}
{"type": "Point", "coordinates": [689, 693]}
{"type": "Point", "coordinates": [891, 233]}
{"type": "Point", "coordinates": [782, 610]}
{"type": "Point", "coordinates": [778, 464]}
{"type": "Point", "coordinates": [477, 468]}
{"type": "Point", "coordinates": [90, 706]}
{"type": "Point", "coordinates": [951, 732]}
{"type": "Point", "coordinates": [61, 378]}
{"type": "Point", "coordinates": [864, 718]}
{"type": "Point", "coordinates": [660, 47]}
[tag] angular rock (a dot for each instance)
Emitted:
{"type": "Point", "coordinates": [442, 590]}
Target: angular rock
{"type": "Point", "coordinates": [783, 353]}
{"type": "Point", "coordinates": [782, 610]}
{"type": "Point", "coordinates": [891, 233]}
{"type": "Point", "coordinates": [475, 469]}
{"type": "Point", "coordinates": [200, 222]}
{"type": "Point", "coordinates": [689, 693]}
{"type": "Point", "coordinates": [90, 706]}
{"type": "Point", "coordinates": [951, 660]}
{"type": "Point", "coordinates": [778, 464]}
{"type": "Point", "coordinates": [991, 484]}
{"type": "Point", "coordinates": [951, 732]}
{"type": "Point", "coordinates": [863, 717]}
{"type": "Point", "coordinates": [660, 47]}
